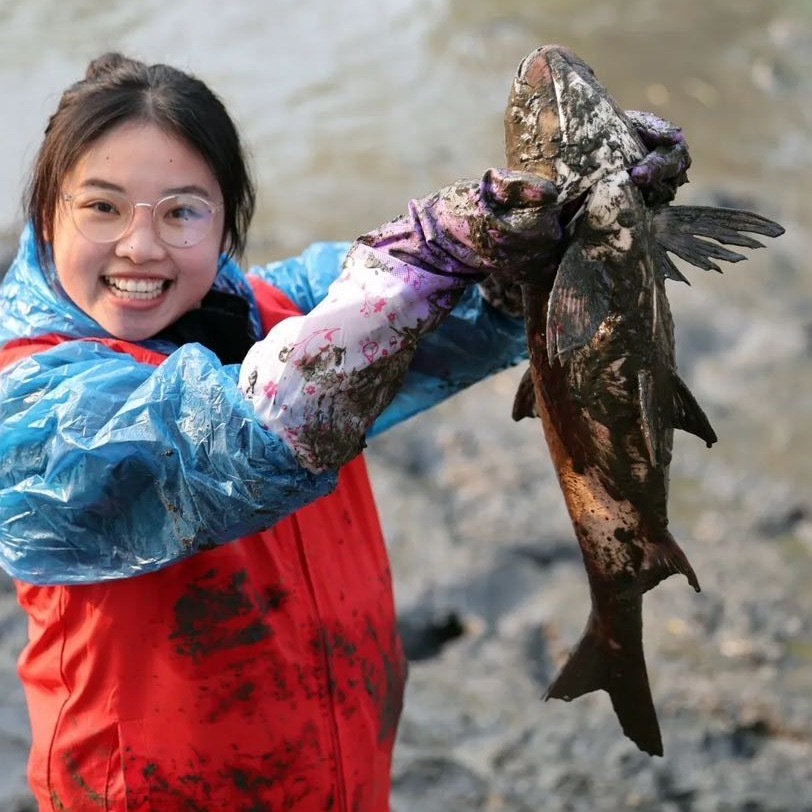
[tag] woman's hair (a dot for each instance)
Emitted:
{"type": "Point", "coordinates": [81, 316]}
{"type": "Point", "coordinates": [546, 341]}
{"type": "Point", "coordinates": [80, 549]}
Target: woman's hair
{"type": "Point", "coordinates": [116, 90]}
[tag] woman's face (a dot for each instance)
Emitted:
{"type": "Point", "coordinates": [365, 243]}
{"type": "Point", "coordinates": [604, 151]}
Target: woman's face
{"type": "Point", "coordinates": [136, 285]}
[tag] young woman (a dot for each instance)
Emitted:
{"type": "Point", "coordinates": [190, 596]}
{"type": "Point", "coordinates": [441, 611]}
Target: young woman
{"type": "Point", "coordinates": [183, 504]}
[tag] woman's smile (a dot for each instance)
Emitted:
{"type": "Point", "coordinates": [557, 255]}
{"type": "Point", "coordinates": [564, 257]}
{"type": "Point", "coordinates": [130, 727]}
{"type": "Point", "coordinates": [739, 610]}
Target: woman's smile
{"type": "Point", "coordinates": [131, 289]}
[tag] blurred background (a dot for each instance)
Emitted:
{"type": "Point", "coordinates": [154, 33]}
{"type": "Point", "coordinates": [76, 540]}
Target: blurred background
{"type": "Point", "coordinates": [349, 109]}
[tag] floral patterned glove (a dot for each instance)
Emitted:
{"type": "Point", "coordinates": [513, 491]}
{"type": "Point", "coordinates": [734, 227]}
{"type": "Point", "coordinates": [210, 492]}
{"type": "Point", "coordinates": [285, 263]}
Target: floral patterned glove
{"type": "Point", "coordinates": [321, 380]}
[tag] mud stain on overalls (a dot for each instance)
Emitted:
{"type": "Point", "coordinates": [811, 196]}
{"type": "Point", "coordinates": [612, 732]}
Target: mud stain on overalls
{"type": "Point", "coordinates": [207, 617]}
{"type": "Point", "coordinates": [91, 797]}
{"type": "Point", "coordinates": [385, 687]}
{"type": "Point", "coordinates": [368, 665]}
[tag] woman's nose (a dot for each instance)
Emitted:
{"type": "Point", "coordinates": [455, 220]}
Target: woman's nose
{"type": "Point", "coordinates": [140, 243]}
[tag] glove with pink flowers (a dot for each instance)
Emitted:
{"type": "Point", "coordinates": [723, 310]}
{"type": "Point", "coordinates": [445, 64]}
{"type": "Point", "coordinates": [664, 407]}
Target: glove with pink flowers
{"type": "Point", "coordinates": [320, 380]}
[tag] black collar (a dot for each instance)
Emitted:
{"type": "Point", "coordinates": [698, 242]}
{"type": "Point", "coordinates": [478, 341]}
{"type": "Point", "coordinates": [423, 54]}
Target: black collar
{"type": "Point", "coordinates": [221, 323]}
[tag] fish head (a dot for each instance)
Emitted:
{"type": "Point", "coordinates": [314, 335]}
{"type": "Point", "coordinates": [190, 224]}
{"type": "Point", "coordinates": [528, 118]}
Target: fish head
{"type": "Point", "coordinates": [561, 124]}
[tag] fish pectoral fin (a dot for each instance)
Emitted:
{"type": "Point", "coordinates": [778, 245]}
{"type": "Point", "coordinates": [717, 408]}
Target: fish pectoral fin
{"type": "Point", "coordinates": [687, 230]}
{"type": "Point", "coordinates": [687, 414]}
{"type": "Point", "coordinates": [618, 667]}
{"type": "Point", "coordinates": [524, 403]}
{"type": "Point", "coordinates": [579, 301]}
{"type": "Point", "coordinates": [666, 267]}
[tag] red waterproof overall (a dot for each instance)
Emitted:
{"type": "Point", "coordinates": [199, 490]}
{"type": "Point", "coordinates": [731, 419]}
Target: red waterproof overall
{"type": "Point", "coordinates": [265, 674]}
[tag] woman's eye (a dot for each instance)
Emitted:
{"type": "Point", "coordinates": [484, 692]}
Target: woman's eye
{"type": "Point", "coordinates": [102, 207]}
{"type": "Point", "coordinates": [185, 213]}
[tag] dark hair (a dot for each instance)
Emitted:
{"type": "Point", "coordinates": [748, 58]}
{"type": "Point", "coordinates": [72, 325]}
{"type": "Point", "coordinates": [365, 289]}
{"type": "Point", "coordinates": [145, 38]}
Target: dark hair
{"type": "Point", "coordinates": [116, 90]}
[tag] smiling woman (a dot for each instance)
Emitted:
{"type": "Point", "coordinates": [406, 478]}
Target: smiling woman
{"type": "Point", "coordinates": [127, 448]}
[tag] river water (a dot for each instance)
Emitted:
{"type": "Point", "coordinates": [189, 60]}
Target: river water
{"type": "Point", "coordinates": [349, 108]}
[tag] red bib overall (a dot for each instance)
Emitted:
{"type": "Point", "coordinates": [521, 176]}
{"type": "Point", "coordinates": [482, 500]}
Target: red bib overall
{"type": "Point", "coordinates": [265, 674]}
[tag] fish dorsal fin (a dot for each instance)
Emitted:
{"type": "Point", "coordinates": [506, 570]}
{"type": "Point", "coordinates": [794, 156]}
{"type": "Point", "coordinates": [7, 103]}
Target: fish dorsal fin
{"type": "Point", "coordinates": [687, 231]}
{"type": "Point", "coordinates": [687, 414]}
{"type": "Point", "coordinates": [524, 403]}
{"type": "Point", "coordinates": [579, 301]}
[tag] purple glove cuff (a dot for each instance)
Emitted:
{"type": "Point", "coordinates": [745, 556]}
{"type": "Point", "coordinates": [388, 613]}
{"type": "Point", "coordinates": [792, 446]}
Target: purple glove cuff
{"type": "Point", "coordinates": [507, 223]}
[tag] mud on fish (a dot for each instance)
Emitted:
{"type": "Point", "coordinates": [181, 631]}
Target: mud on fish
{"type": "Point", "coordinates": [602, 376]}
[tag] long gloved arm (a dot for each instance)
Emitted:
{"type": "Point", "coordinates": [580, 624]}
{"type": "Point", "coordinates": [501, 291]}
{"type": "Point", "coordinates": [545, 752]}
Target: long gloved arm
{"type": "Point", "coordinates": [321, 380]}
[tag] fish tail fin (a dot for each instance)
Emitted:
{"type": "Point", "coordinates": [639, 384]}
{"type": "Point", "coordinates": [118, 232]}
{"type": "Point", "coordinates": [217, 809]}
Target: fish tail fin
{"type": "Point", "coordinates": [618, 667]}
{"type": "Point", "coordinates": [663, 558]}
{"type": "Point", "coordinates": [687, 230]}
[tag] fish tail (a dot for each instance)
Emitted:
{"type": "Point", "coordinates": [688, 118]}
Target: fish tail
{"type": "Point", "coordinates": [617, 666]}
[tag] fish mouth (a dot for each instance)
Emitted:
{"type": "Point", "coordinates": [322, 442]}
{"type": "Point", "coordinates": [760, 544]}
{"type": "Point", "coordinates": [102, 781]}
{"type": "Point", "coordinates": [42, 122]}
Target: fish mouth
{"type": "Point", "coordinates": [562, 124]}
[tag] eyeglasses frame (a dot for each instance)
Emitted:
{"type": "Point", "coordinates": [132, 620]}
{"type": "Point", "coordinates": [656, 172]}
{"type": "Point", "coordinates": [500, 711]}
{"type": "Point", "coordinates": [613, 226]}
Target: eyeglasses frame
{"type": "Point", "coordinates": [70, 199]}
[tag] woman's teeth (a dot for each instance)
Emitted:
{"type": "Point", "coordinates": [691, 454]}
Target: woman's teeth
{"type": "Point", "coordinates": [136, 288]}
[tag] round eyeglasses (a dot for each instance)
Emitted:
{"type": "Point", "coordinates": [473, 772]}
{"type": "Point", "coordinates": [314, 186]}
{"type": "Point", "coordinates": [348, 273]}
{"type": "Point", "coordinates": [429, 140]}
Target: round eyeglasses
{"type": "Point", "coordinates": [180, 221]}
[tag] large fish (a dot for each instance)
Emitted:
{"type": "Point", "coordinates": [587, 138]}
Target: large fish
{"type": "Point", "coordinates": [602, 374]}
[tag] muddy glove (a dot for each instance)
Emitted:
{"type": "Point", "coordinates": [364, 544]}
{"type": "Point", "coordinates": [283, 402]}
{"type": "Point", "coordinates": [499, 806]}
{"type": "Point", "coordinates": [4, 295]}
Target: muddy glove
{"type": "Point", "coordinates": [506, 223]}
{"type": "Point", "coordinates": [665, 168]}
{"type": "Point", "coordinates": [321, 380]}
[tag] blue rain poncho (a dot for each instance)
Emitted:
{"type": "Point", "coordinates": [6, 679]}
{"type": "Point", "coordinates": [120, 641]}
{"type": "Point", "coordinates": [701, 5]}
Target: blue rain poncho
{"type": "Point", "coordinates": [111, 468]}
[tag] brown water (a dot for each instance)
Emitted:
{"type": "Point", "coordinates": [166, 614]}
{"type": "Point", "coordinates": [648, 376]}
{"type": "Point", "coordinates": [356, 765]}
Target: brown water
{"type": "Point", "coordinates": [350, 108]}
